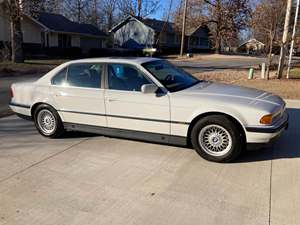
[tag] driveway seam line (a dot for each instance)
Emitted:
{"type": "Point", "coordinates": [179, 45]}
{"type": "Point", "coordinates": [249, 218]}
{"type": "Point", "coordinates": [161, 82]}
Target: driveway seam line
{"type": "Point", "coordinates": [270, 196]}
{"type": "Point", "coordinates": [41, 161]}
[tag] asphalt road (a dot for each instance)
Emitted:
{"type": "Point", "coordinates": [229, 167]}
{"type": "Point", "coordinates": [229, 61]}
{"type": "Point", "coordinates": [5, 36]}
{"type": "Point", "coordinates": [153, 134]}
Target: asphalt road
{"type": "Point", "coordinates": [219, 64]}
{"type": "Point", "coordinates": [85, 179]}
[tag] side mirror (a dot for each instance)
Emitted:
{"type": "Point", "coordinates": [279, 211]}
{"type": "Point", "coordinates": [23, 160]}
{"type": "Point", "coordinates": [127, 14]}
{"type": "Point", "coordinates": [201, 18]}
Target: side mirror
{"type": "Point", "coordinates": [149, 88]}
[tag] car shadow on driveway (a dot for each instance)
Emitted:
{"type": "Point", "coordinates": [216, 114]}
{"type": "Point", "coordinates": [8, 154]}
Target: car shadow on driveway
{"type": "Point", "coordinates": [13, 126]}
{"type": "Point", "coordinates": [77, 134]}
{"type": "Point", "coordinates": [287, 146]}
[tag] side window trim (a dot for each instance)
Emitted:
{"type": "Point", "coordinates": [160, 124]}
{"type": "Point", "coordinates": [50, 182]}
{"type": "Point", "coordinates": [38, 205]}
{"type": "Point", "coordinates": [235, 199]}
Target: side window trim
{"type": "Point", "coordinates": [57, 73]}
{"type": "Point", "coordinates": [104, 84]}
{"type": "Point", "coordinates": [67, 72]}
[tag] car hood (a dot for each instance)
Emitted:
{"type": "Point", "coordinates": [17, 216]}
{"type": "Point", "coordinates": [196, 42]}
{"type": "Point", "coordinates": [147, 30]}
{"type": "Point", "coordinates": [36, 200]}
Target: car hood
{"type": "Point", "coordinates": [251, 95]}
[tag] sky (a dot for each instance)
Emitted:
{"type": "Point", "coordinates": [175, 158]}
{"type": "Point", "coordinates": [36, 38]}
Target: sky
{"type": "Point", "coordinates": [165, 4]}
{"type": "Point", "coordinates": [163, 7]}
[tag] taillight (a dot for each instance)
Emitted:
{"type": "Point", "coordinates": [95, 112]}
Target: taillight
{"type": "Point", "coordinates": [11, 93]}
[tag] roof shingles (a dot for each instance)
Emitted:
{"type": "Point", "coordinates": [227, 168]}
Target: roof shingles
{"type": "Point", "coordinates": [60, 23]}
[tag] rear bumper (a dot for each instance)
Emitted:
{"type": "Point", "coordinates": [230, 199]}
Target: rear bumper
{"type": "Point", "coordinates": [20, 109]}
{"type": "Point", "coordinates": [267, 134]}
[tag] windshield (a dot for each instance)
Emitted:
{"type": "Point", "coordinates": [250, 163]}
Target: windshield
{"type": "Point", "coordinates": [172, 77]}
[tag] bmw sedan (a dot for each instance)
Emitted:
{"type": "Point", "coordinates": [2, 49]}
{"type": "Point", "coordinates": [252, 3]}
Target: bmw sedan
{"type": "Point", "coordinates": [150, 99]}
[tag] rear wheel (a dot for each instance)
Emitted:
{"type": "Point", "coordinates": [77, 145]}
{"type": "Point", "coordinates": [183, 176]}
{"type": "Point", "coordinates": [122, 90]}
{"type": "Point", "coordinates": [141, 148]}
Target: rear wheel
{"type": "Point", "coordinates": [217, 138]}
{"type": "Point", "coordinates": [48, 122]}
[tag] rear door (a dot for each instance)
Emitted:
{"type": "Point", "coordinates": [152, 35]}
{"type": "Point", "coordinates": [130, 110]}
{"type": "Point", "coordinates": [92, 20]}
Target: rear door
{"type": "Point", "coordinates": [130, 109]}
{"type": "Point", "coordinates": [79, 94]}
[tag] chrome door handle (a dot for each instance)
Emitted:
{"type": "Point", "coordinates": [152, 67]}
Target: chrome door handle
{"type": "Point", "coordinates": [111, 99]}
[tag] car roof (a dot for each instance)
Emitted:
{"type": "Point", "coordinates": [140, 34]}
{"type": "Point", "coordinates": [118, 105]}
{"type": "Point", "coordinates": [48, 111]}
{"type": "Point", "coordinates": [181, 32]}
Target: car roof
{"type": "Point", "coordinates": [129, 60]}
{"type": "Point", "coordinates": [134, 60]}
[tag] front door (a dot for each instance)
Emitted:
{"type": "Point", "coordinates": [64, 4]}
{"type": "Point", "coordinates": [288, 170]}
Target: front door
{"type": "Point", "coordinates": [130, 109]}
{"type": "Point", "coordinates": [79, 94]}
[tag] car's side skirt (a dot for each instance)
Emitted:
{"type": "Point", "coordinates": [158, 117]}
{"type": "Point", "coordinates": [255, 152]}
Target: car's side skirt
{"type": "Point", "coordinates": [128, 134]}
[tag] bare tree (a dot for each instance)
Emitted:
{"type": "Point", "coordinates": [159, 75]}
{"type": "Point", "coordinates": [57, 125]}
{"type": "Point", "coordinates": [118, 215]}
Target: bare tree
{"type": "Point", "coordinates": [109, 9]}
{"type": "Point", "coordinates": [267, 24]}
{"type": "Point", "coordinates": [92, 13]}
{"type": "Point", "coordinates": [76, 10]}
{"type": "Point", "coordinates": [13, 9]}
{"type": "Point", "coordinates": [139, 8]}
{"type": "Point", "coordinates": [226, 19]}
{"type": "Point", "coordinates": [53, 6]}
{"type": "Point", "coordinates": [34, 7]}
{"type": "Point", "coordinates": [95, 12]}
{"type": "Point", "coordinates": [166, 18]}
{"type": "Point", "coordinates": [194, 16]}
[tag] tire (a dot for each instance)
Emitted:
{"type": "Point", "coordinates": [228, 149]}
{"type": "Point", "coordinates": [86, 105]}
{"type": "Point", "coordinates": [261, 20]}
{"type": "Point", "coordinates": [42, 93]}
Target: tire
{"type": "Point", "coordinates": [48, 122]}
{"type": "Point", "coordinates": [216, 138]}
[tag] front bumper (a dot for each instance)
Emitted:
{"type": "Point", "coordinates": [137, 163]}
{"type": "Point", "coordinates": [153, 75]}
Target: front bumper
{"type": "Point", "coordinates": [266, 134]}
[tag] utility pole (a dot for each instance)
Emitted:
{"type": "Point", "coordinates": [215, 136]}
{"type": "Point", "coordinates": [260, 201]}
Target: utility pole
{"type": "Point", "coordinates": [183, 28]}
{"type": "Point", "coordinates": [293, 40]}
{"type": "Point", "coordinates": [284, 39]}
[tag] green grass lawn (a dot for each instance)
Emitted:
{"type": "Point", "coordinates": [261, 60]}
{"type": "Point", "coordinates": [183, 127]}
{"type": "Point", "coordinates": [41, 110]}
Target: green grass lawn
{"type": "Point", "coordinates": [46, 62]}
{"type": "Point", "coordinates": [295, 73]}
{"type": "Point", "coordinates": [28, 67]}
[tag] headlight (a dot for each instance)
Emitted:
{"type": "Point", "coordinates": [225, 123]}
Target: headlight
{"type": "Point", "coordinates": [266, 119]}
{"type": "Point", "coordinates": [273, 117]}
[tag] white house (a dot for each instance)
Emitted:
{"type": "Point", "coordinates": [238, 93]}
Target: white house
{"type": "Point", "coordinates": [252, 46]}
{"type": "Point", "coordinates": [49, 30]}
{"type": "Point", "coordinates": [140, 33]}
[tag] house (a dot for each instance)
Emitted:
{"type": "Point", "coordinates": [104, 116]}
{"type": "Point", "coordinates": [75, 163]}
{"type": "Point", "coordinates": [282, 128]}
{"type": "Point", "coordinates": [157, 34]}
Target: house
{"type": "Point", "coordinates": [252, 46]}
{"type": "Point", "coordinates": [198, 39]}
{"type": "Point", "coordinates": [53, 31]}
{"type": "Point", "coordinates": [138, 33]}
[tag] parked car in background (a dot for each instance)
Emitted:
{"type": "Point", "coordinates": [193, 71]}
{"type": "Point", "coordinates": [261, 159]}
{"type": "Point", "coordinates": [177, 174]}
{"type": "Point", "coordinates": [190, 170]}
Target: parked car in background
{"type": "Point", "coordinates": [150, 99]}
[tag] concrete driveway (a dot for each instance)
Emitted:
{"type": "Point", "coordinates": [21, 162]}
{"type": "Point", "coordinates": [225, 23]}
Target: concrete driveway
{"type": "Point", "coordinates": [85, 179]}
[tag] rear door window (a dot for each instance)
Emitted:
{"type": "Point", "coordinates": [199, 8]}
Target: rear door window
{"type": "Point", "coordinates": [87, 75]}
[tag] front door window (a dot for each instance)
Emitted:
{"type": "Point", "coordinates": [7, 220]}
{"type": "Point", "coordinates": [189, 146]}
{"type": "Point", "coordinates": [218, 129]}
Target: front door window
{"type": "Point", "coordinates": [125, 78]}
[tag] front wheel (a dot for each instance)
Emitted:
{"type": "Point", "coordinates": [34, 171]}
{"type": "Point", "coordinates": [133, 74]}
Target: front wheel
{"type": "Point", "coordinates": [217, 138]}
{"type": "Point", "coordinates": [48, 122]}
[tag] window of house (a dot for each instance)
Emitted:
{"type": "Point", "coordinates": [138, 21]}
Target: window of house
{"type": "Point", "coordinates": [43, 41]}
{"type": "Point", "coordinates": [125, 78]}
{"type": "Point", "coordinates": [47, 40]}
{"type": "Point", "coordinates": [203, 41]}
{"type": "Point", "coordinates": [64, 41]}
